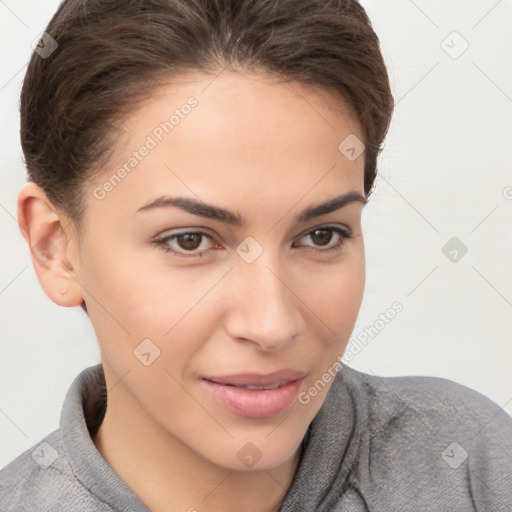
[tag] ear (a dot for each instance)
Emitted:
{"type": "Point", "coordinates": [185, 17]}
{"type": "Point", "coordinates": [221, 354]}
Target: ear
{"type": "Point", "coordinates": [44, 229]}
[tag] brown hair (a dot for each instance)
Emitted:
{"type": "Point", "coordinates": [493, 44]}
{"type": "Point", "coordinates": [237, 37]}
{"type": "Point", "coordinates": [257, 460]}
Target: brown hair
{"type": "Point", "coordinates": [112, 54]}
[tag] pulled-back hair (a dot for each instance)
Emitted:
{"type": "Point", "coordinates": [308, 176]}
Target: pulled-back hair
{"type": "Point", "coordinates": [112, 54]}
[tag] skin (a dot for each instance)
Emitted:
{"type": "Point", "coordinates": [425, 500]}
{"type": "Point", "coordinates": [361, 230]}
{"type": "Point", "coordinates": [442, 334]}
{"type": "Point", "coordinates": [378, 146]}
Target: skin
{"type": "Point", "coordinates": [268, 151]}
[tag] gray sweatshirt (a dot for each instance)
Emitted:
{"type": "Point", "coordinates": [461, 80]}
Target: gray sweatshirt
{"type": "Point", "coordinates": [386, 444]}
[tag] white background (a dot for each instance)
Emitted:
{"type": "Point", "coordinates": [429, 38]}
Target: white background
{"type": "Point", "coordinates": [444, 173]}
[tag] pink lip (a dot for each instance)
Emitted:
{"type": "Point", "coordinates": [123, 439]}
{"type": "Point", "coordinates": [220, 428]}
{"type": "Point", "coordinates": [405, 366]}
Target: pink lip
{"type": "Point", "coordinates": [256, 403]}
{"type": "Point", "coordinates": [258, 379]}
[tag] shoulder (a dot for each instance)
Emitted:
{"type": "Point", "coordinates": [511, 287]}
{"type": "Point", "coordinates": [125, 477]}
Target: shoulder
{"type": "Point", "coordinates": [435, 434]}
{"type": "Point", "coordinates": [427, 400]}
{"type": "Point", "coordinates": [41, 479]}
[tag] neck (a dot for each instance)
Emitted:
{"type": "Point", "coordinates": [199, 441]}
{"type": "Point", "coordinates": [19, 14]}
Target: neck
{"type": "Point", "coordinates": [160, 470]}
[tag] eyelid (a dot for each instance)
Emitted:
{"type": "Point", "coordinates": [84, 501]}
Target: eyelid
{"type": "Point", "coordinates": [183, 231]}
{"type": "Point", "coordinates": [340, 227]}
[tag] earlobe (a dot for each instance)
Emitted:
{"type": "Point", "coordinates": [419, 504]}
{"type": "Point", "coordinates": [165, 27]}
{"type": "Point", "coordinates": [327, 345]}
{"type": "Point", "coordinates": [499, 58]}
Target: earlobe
{"type": "Point", "coordinates": [43, 227]}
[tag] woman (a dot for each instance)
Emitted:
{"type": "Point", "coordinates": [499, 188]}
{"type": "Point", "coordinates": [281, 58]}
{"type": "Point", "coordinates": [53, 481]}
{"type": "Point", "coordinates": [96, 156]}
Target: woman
{"type": "Point", "coordinates": [198, 171]}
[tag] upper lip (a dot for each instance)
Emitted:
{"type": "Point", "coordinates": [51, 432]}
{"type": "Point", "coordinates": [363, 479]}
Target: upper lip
{"type": "Point", "coordinates": [258, 379]}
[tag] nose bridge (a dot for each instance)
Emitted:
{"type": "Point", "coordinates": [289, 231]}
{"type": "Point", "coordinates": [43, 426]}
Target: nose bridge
{"type": "Point", "coordinates": [264, 309]}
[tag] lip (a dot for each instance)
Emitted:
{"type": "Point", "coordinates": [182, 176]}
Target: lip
{"type": "Point", "coordinates": [256, 404]}
{"type": "Point", "coordinates": [258, 379]}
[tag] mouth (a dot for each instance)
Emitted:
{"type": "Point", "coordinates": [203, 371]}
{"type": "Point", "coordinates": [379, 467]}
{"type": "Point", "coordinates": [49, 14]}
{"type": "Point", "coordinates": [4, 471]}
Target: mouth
{"type": "Point", "coordinates": [256, 395]}
{"type": "Point", "coordinates": [251, 387]}
{"type": "Point", "coordinates": [273, 379]}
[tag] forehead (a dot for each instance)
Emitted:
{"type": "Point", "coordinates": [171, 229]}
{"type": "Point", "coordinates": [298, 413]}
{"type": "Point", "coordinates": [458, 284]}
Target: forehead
{"type": "Point", "coordinates": [232, 137]}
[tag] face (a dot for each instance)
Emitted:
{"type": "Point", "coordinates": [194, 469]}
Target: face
{"type": "Point", "coordinates": [193, 306]}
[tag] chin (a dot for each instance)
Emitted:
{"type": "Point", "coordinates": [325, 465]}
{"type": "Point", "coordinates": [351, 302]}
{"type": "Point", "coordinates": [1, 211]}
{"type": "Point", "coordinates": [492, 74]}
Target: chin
{"type": "Point", "coordinates": [255, 453]}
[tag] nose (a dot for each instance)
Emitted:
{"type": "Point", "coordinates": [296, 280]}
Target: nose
{"type": "Point", "coordinates": [263, 309]}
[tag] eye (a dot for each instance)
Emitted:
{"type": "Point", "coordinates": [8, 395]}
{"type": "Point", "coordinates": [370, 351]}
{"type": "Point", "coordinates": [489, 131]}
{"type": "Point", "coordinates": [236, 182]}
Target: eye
{"type": "Point", "coordinates": [186, 243]}
{"type": "Point", "coordinates": [323, 235]}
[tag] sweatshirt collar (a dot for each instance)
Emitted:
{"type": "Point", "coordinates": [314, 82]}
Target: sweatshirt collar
{"type": "Point", "coordinates": [87, 463]}
{"type": "Point", "coordinates": [332, 450]}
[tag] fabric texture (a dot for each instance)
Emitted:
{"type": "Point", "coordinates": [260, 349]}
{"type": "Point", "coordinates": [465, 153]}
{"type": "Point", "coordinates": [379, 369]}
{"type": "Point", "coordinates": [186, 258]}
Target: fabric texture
{"type": "Point", "coordinates": [379, 444]}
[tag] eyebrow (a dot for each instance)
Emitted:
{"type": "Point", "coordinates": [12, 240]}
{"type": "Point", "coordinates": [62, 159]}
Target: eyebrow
{"type": "Point", "coordinates": [202, 209]}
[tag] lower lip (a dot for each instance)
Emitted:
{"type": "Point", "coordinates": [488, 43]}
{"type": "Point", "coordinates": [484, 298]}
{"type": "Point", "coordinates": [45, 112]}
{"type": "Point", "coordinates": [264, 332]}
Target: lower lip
{"type": "Point", "coordinates": [258, 403]}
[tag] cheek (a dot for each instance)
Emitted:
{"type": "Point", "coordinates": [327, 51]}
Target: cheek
{"type": "Point", "coordinates": [336, 303]}
{"type": "Point", "coordinates": [334, 295]}
{"type": "Point", "coordinates": [348, 296]}
{"type": "Point", "coordinates": [131, 301]}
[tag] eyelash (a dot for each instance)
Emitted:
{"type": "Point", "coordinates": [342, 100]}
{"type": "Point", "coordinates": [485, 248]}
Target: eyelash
{"type": "Point", "coordinates": [161, 242]}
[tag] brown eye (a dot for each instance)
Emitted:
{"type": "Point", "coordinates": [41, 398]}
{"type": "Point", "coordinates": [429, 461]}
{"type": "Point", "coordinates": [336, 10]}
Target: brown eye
{"type": "Point", "coordinates": [322, 237]}
{"type": "Point", "coordinates": [189, 241]}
